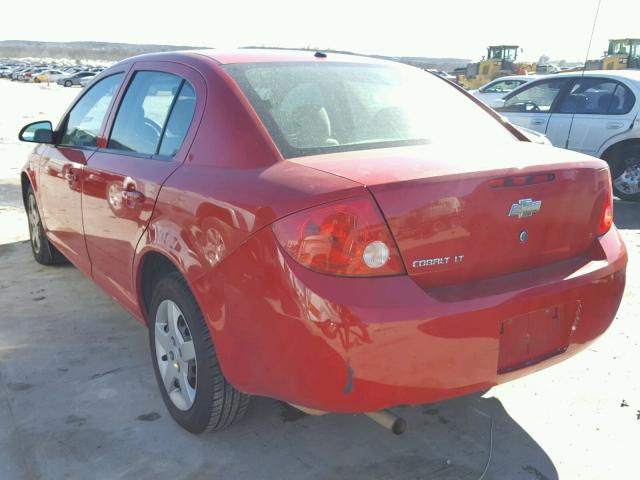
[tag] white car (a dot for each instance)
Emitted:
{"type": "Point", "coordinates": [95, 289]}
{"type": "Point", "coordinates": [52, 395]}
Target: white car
{"type": "Point", "coordinates": [442, 73]}
{"type": "Point", "coordinates": [495, 90]}
{"type": "Point", "coordinates": [594, 113]}
{"type": "Point", "coordinates": [50, 75]}
{"type": "Point", "coordinates": [533, 136]}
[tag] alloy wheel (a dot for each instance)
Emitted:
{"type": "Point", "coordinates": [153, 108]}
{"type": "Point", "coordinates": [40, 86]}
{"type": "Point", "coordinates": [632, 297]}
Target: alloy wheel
{"type": "Point", "coordinates": [34, 224]}
{"type": "Point", "coordinates": [629, 180]}
{"type": "Point", "coordinates": [176, 355]}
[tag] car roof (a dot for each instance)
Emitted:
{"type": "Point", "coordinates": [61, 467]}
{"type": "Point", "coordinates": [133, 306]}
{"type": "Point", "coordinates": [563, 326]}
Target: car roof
{"type": "Point", "coordinates": [260, 55]}
{"type": "Point", "coordinates": [633, 75]}
{"type": "Point", "coordinates": [519, 77]}
{"type": "Point", "coordinates": [257, 55]}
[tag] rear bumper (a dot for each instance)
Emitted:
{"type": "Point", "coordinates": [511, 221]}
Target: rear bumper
{"type": "Point", "coordinates": [355, 345]}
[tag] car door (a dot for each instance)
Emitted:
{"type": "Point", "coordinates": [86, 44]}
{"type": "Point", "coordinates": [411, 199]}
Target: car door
{"type": "Point", "coordinates": [62, 164]}
{"type": "Point", "coordinates": [531, 106]}
{"type": "Point", "coordinates": [149, 137]}
{"type": "Point", "coordinates": [83, 75]}
{"type": "Point", "coordinates": [602, 108]}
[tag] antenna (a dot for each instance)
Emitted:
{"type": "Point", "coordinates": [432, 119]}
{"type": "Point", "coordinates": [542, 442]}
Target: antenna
{"type": "Point", "coordinates": [584, 67]}
{"type": "Point", "coordinates": [593, 29]}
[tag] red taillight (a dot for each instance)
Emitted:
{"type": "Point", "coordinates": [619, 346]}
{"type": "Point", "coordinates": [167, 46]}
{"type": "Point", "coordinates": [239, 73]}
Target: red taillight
{"type": "Point", "coordinates": [606, 217]}
{"type": "Point", "coordinates": [345, 238]}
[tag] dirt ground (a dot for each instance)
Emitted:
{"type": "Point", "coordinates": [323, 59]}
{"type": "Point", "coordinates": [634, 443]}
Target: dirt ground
{"type": "Point", "coordinates": [78, 398]}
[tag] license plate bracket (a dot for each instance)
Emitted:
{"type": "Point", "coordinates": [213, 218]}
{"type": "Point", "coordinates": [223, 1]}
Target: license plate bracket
{"type": "Point", "coordinates": [533, 337]}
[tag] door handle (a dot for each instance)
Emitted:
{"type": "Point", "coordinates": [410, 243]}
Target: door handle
{"type": "Point", "coordinates": [538, 121]}
{"type": "Point", "coordinates": [130, 194]}
{"type": "Point", "coordinates": [132, 197]}
{"type": "Point", "coordinates": [613, 125]}
{"type": "Point", "coordinates": [71, 175]}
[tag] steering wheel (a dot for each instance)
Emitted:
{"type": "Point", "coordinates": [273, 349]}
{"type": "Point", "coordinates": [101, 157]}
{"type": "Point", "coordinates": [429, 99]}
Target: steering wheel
{"type": "Point", "coordinates": [153, 125]}
{"type": "Point", "coordinates": [147, 136]}
{"type": "Point", "coordinates": [534, 106]}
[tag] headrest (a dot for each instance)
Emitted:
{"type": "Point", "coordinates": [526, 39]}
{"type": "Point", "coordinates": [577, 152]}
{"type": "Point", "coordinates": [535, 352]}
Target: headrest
{"type": "Point", "coordinates": [608, 103]}
{"type": "Point", "coordinates": [311, 126]}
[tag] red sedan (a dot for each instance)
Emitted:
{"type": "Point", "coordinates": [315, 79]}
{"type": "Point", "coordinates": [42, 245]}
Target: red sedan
{"type": "Point", "coordinates": [341, 233]}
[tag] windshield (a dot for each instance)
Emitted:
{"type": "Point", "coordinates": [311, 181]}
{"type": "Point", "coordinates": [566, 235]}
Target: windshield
{"type": "Point", "coordinates": [311, 108]}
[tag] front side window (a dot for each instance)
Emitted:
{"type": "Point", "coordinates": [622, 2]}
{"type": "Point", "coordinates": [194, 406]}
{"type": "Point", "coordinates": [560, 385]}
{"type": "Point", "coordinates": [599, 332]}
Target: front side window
{"type": "Point", "coordinates": [84, 122]}
{"type": "Point", "coordinates": [535, 98]}
{"type": "Point", "coordinates": [141, 118]}
{"type": "Point", "coordinates": [311, 108]}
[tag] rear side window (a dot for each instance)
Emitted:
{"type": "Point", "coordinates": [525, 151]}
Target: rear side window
{"type": "Point", "coordinates": [598, 96]}
{"type": "Point", "coordinates": [85, 119]}
{"type": "Point", "coordinates": [140, 122]}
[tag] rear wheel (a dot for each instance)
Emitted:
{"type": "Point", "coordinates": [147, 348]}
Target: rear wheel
{"type": "Point", "coordinates": [186, 366]}
{"type": "Point", "coordinates": [68, 83]}
{"type": "Point", "coordinates": [625, 172]}
{"type": "Point", "coordinates": [43, 252]}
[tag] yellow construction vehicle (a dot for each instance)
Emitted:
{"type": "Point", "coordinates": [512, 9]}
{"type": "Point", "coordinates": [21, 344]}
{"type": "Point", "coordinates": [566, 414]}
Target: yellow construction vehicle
{"type": "Point", "coordinates": [501, 60]}
{"type": "Point", "coordinates": [622, 53]}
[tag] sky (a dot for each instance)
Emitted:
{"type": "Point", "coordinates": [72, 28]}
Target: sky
{"type": "Point", "coordinates": [445, 28]}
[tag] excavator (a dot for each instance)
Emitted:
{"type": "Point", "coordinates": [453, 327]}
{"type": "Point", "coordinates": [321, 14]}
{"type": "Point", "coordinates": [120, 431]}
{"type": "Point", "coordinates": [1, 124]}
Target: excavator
{"type": "Point", "coordinates": [623, 53]}
{"type": "Point", "coordinates": [501, 60]}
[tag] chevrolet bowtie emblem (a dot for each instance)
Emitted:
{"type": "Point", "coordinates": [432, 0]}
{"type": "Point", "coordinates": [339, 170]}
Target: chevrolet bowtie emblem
{"type": "Point", "coordinates": [525, 208]}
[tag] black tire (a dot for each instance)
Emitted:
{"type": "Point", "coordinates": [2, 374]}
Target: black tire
{"type": "Point", "coordinates": [217, 404]}
{"type": "Point", "coordinates": [619, 161]}
{"type": "Point", "coordinates": [68, 83]}
{"type": "Point", "coordinates": [43, 251]}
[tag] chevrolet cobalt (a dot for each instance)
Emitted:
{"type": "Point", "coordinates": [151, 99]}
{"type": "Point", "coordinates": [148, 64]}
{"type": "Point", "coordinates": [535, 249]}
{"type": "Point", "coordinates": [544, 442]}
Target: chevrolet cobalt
{"type": "Point", "coordinates": [341, 233]}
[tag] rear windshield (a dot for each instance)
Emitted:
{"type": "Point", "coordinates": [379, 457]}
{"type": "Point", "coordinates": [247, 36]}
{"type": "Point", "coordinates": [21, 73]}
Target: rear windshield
{"type": "Point", "coordinates": [317, 108]}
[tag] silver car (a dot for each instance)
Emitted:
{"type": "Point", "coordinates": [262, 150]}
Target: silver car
{"type": "Point", "coordinates": [75, 78]}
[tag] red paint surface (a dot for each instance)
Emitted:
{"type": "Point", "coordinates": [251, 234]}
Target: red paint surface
{"type": "Point", "coordinates": [287, 332]}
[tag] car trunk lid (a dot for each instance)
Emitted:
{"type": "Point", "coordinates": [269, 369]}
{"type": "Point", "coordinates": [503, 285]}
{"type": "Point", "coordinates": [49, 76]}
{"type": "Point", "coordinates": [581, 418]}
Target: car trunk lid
{"type": "Point", "coordinates": [458, 216]}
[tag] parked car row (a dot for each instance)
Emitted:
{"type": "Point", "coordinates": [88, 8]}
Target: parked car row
{"type": "Point", "coordinates": [44, 73]}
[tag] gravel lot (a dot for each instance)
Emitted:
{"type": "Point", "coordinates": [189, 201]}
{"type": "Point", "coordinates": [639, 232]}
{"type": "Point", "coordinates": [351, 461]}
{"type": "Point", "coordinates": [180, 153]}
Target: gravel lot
{"type": "Point", "coordinates": [78, 398]}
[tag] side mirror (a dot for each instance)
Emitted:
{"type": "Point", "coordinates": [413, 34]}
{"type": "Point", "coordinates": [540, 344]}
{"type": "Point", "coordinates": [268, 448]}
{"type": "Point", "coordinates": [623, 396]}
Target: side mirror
{"type": "Point", "coordinates": [497, 103]}
{"type": "Point", "coordinates": [37, 132]}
